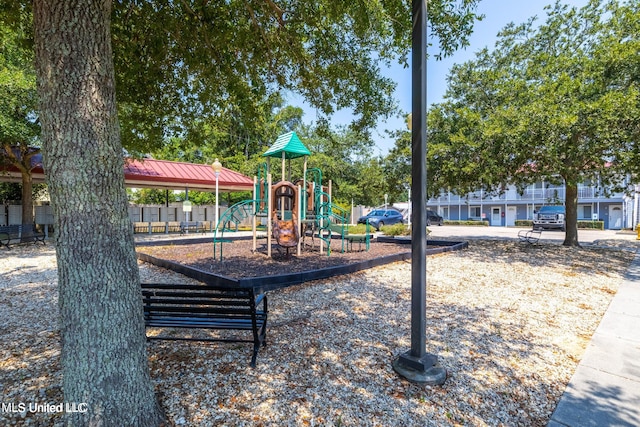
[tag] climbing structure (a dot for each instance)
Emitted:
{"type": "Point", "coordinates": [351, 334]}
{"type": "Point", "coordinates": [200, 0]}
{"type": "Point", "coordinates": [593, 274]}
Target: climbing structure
{"type": "Point", "coordinates": [285, 206]}
{"type": "Point", "coordinates": [289, 208]}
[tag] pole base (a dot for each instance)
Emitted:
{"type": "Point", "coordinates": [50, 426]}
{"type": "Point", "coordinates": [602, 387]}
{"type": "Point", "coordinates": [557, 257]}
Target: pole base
{"type": "Point", "coordinates": [422, 370]}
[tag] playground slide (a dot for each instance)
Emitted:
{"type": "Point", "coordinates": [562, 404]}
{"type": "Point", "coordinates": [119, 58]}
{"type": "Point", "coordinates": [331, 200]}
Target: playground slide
{"type": "Point", "coordinates": [285, 232]}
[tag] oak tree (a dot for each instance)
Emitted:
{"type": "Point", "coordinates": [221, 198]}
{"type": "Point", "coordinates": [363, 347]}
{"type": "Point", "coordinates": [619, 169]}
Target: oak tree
{"type": "Point", "coordinates": [559, 102]}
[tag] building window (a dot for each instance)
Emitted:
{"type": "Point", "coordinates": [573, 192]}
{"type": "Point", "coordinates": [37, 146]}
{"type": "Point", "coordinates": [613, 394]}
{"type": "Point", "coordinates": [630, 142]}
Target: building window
{"type": "Point", "coordinates": [584, 212]}
{"type": "Point", "coordinates": [475, 212]}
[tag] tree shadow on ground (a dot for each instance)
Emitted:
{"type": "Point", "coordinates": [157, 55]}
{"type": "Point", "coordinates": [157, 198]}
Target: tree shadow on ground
{"type": "Point", "coordinates": [597, 405]}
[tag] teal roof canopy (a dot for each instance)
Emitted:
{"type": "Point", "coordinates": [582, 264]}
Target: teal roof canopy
{"type": "Point", "coordinates": [289, 144]}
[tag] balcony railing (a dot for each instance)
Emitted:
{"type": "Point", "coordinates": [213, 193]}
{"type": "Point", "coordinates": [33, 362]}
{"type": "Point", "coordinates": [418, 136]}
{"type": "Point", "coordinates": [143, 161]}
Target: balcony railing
{"type": "Point", "coordinates": [535, 195]}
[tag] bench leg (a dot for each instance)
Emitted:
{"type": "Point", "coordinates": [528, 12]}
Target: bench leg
{"type": "Point", "coordinates": [256, 347]}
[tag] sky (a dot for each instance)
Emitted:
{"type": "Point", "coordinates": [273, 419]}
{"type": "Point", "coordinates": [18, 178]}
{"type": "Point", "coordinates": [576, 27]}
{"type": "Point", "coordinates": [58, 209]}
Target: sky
{"type": "Point", "coordinates": [498, 13]}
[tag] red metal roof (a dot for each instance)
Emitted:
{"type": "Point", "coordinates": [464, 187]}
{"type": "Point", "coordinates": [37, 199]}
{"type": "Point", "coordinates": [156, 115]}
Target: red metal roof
{"type": "Point", "coordinates": [178, 175]}
{"type": "Point", "coordinates": [151, 173]}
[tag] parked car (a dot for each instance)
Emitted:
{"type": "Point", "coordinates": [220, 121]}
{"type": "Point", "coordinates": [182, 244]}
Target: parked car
{"type": "Point", "coordinates": [549, 217]}
{"type": "Point", "coordinates": [434, 218]}
{"type": "Point", "coordinates": [380, 217]}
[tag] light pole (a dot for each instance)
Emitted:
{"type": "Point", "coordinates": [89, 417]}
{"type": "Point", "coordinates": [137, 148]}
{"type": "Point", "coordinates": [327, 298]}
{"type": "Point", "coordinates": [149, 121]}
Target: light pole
{"type": "Point", "coordinates": [217, 167]}
{"type": "Point", "coordinates": [417, 365]}
{"type": "Point", "coordinates": [386, 197]}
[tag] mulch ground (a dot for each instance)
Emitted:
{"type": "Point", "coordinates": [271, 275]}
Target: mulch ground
{"type": "Point", "coordinates": [239, 260]}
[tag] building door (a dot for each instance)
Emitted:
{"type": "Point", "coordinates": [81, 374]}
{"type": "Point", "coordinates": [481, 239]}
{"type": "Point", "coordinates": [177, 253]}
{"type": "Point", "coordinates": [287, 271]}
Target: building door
{"type": "Point", "coordinates": [511, 216]}
{"type": "Point", "coordinates": [496, 216]}
{"type": "Point", "coordinates": [615, 218]}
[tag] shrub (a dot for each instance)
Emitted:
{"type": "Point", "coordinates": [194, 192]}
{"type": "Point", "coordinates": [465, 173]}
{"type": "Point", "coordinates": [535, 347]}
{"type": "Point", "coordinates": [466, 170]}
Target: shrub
{"type": "Point", "coordinates": [396, 230]}
{"type": "Point", "coordinates": [471, 222]}
{"type": "Point", "coordinates": [524, 223]}
{"type": "Point", "coordinates": [595, 225]}
{"type": "Point", "coordinates": [360, 229]}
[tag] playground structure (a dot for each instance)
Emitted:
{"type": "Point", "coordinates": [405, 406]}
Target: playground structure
{"type": "Point", "coordinates": [292, 210]}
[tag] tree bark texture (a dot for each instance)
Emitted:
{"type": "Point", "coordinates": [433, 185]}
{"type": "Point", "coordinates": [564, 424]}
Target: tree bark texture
{"type": "Point", "coordinates": [104, 358]}
{"type": "Point", "coordinates": [27, 198]}
{"type": "Point", "coordinates": [571, 219]}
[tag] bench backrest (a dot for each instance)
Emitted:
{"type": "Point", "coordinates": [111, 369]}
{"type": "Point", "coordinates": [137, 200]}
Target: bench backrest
{"type": "Point", "coordinates": [193, 301]}
{"type": "Point", "coordinates": [16, 230]}
{"type": "Point", "coordinates": [190, 223]}
{"type": "Point", "coordinates": [10, 229]}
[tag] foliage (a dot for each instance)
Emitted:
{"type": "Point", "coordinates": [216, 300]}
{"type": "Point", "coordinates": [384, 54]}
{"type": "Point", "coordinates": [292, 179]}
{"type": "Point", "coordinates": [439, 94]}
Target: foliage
{"type": "Point", "coordinates": [558, 102]}
{"type": "Point", "coordinates": [343, 156]}
{"type": "Point", "coordinates": [359, 229]}
{"type": "Point", "coordinates": [594, 225]}
{"type": "Point", "coordinates": [470, 222]}
{"type": "Point", "coordinates": [229, 139]}
{"type": "Point", "coordinates": [523, 223]}
{"type": "Point", "coordinates": [150, 196]}
{"type": "Point", "coordinates": [19, 126]}
{"type": "Point", "coordinates": [198, 70]}
{"type": "Point", "coordinates": [396, 230]}
{"type": "Point", "coordinates": [397, 166]}
{"type": "Point", "coordinates": [182, 66]}
{"type": "Point", "coordinates": [18, 98]}
{"type": "Point", "coordinates": [9, 191]}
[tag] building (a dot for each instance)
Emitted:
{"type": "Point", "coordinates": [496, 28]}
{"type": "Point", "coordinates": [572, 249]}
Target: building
{"type": "Point", "coordinates": [616, 210]}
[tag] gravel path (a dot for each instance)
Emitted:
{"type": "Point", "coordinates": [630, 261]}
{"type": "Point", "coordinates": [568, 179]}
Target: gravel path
{"type": "Point", "coordinates": [508, 321]}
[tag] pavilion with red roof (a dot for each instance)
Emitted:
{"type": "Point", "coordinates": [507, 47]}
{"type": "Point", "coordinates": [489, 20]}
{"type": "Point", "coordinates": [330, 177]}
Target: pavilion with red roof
{"type": "Point", "coordinates": [162, 174]}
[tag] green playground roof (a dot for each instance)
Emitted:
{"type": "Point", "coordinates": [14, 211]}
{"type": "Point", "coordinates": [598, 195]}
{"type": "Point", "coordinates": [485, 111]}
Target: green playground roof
{"type": "Point", "coordinates": [289, 144]}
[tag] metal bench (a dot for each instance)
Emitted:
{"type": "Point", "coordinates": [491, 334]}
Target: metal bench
{"type": "Point", "coordinates": [186, 226]}
{"type": "Point", "coordinates": [206, 307]}
{"type": "Point", "coordinates": [529, 236]}
{"type": "Point", "coordinates": [22, 233]}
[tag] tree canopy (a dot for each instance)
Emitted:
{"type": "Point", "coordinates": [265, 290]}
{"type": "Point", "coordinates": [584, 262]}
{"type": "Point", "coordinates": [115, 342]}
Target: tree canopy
{"type": "Point", "coordinates": [559, 101]}
{"type": "Point", "coordinates": [19, 126]}
{"type": "Point", "coordinates": [180, 63]}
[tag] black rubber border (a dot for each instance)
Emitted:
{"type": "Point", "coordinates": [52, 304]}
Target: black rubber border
{"type": "Point", "coordinates": [268, 283]}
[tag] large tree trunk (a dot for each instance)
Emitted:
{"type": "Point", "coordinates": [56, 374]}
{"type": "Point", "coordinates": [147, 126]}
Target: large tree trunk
{"type": "Point", "coordinates": [104, 359]}
{"type": "Point", "coordinates": [571, 219]}
{"type": "Point", "coordinates": [27, 198]}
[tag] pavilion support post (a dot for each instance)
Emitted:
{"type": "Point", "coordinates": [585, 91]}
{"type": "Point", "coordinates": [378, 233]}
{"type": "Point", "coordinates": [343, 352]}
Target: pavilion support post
{"type": "Point", "coordinates": [256, 194]}
{"type": "Point", "coordinates": [417, 365]}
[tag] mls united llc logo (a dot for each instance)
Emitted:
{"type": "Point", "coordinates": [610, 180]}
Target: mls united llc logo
{"type": "Point", "coordinates": [22, 407]}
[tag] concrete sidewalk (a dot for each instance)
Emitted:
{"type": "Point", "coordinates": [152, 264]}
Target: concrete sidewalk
{"type": "Point", "coordinates": [605, 389]}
